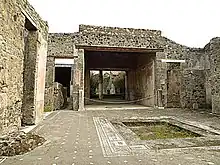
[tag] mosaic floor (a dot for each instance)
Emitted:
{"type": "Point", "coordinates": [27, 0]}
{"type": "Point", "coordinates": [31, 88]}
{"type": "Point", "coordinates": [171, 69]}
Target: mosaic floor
{"type": "Point", "coordinates": [90, 137]}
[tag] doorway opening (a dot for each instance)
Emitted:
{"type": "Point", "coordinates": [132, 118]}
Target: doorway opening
{"type": "Point", "coordinates": [136, 69]}
{"type": "Point", "coordinates": [112, 82]}
{"type": "Point", "coordinates": [63, 76]}
{"type": "Point", "coordinates": [63, 83]}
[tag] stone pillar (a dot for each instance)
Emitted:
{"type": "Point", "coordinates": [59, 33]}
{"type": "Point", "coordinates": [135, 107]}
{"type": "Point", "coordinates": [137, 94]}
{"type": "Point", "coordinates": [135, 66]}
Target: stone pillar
{"type": "Point", "coordinates": [75, 85]}
{"type": "Point", "coordinates": [159, 95]}
{"type": "Point", "coordinates": [71, 82]}
{"type": "Point", "coordinates": [131, 84]}
{"type": "Point", "coordinates": [78, 81]}
{"type": "Point", "coordinates": [126, 86]}
{"type": "Point", "coordinates": [87, 85]}
{"type": "Point", "coordinates": [40, 76]}
{"type": "Point", "coordinates": [34, 78]}
{"type": "Point", "coordinates": [100, 85]}
{"type": "Point", "coordinates": [160, 74]}
{"type": "Point", "coordinates": [215, 74]}
{"type": "Point", "coordinates": [30, 62]}
{"type": "Point", "coordinates": [49, 89]}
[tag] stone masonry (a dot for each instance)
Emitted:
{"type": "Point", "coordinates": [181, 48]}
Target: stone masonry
{"type": "Point", "coordinates": [23, 51]}
{"type": "Point", "coordinates": [197, 88]}
{"type": "Point", "coordinates": [163, 72]}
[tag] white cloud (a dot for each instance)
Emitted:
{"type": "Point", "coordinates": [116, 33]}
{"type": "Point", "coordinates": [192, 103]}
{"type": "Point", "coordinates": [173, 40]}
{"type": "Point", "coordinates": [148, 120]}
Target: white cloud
{"type": "Point", "coordinates": [189, 22]}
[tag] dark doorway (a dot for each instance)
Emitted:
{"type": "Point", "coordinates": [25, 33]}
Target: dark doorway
{"type": "Point", "coordinates": [63, 76]}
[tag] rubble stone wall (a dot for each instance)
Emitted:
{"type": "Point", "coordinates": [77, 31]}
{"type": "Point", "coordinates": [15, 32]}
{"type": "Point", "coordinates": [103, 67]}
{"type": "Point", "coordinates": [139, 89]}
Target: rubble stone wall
{"type": "Point", "coordinates": [61, 45]}
{"type": "Point", "coordinates": [214, 52]}
{"type": "Point", "coordinates": [13, 14]}
{"type": "Point", "coordinates": [193, 89]}
{"type": "Point", "coordinates": [11, 65]}
{"type": "Point", "coordinates": [199, 61]}
{"type": "Point", "coordinates": [117, 37]}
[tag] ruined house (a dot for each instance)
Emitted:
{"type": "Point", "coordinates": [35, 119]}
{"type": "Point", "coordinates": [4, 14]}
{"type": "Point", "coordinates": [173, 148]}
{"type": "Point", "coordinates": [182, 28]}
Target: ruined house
{"type": "Point", "coordinates": [159, 72]}
{"type": "Point", "coordinates": [23, 52]}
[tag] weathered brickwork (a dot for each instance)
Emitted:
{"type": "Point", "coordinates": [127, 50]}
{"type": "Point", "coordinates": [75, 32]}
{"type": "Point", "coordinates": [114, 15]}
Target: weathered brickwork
{"type": "Point", "coordinates": [13, 20]}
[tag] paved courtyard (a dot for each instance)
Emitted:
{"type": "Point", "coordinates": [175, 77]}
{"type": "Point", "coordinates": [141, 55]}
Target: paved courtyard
{"type": "Point", "coordinates": [89, 138]}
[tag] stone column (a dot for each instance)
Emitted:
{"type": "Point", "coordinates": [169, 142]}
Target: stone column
{"type": "Point", "coordinates": [160, 74]}
{"type": "Point", "coordinates": [126, 86]}
{"type": "Point", "coordinates": [30, 64]}
{"type": "Point", "coordinates": [87, 85]}
{"type": "Point", "coordinates": [34, 78]}
{"type": "Point", "coordinates": [40, 76]}
{"type": "Point", "coordinates": [100, 85]}
{"type": "Point", "coordinates": [159, 96]}
{"type": "Point", "coordinates": [78, 83]}
{"type": "Point", "coordinates": [75, 86]}
{"type": "Point", "coordinates": [49, 89]}
{"type": "Point", "coordinates": [131, 84]}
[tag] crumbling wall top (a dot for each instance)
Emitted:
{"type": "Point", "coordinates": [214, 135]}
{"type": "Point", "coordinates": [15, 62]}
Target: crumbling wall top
{"type": "Point", "coordinates": [30, 13]}
{"type": "Point", "coordinates": [117, 30]}
{"type": "Point", "coordinates": [118, 37]}
{"type": "Point", "coordinates": [61, 44]}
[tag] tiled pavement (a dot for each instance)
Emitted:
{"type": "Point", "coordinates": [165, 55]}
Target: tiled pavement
{"type": "Point", "coordinates": [72, 139]}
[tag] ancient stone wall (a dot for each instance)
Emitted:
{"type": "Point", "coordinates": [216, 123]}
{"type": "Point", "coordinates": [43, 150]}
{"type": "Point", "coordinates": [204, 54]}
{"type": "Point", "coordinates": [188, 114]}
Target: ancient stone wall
{"type": "Point", "coordinates": [193, 89]}
{"type": "Point", "coordinates": [11, 65]}
{"type": "Point", "coordinates": [197, 60]}
{"type": "Point", "coordinates": [150, 39]}
{"type": "Point", "coordinates": [145, 79]}
{"type": "Point", "coordinates": [214, 52]}
{"type": "Point", "coordinates": [173, 85]}
{"type": "Point", "coordinates": [13, 18]}
{"type": "Point", "coordinates": [117, 37]}
{"type": "Point", "coordinates": [61, 45]}
{"type": "Point", "coordinates": [29, 12]}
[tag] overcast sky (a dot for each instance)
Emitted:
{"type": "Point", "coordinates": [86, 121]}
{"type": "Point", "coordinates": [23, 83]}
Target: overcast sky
{"type": "Point", "coordinates": [189, 22]}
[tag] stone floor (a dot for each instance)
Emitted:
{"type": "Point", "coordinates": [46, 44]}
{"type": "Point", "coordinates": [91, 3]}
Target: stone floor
{"type": "Point", "coordinates": [88, 138]}
{"type": "Point", "coordinates": [116, 107]}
